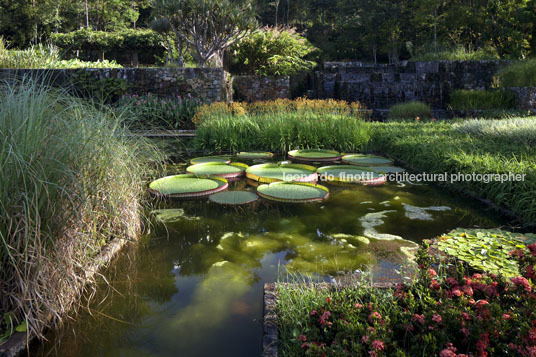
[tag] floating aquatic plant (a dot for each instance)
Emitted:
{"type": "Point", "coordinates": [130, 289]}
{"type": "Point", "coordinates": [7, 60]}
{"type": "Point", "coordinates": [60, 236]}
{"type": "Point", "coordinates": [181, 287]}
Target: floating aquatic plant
{"type": "Point", "coordinates": [293, 192]}
{"type": "Point", "coordinates": [388, 169]}
{"type": "Point", "coordinates": [234, 198]}
{"type": "Point", "coordinates": [486, 249]}
{"type": "Point", "coordinates": [314, 155]}
{"type": "Point", "coordinates": [187, 186]}
{"type": "Point", "coordinates": [252, 155]}
{"type": "Point", "coordinates": [173, 215]}
{"type": "Point", "coordinates": [366, 160]}
{"type": "Point", "coordinates": [268, 173]}
{"type": "Point", "coordinates": [350, 174]}
{"type": "Point", "coordinates": [221, 169]}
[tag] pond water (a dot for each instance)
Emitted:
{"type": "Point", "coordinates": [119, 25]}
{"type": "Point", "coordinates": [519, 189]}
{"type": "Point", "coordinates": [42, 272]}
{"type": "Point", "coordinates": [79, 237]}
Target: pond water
{"type": "Point", "coordinates": [194, 285]}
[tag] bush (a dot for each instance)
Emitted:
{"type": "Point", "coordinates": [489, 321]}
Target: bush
{"type": "Point", "coordinates": [272, 52]}
{"type": "Point", "coordinates": [444, 311]}
{"type": "Point", "coordinates": [482, 99]}
{"type": "Point", "coordinates": [281, 132]}
{"type": "Point", "coordinates": [410, 110]}
{"type": "Point", "coordinates": [519, 74]}
{"type": "Point", "coordinates": [42, 56]}
{"type": "Point", "coordinates": [458, 54]}
{"type": "Point", "coordinates": [71, 180]}
{"type": "Point", "coordinates": [152, 112]}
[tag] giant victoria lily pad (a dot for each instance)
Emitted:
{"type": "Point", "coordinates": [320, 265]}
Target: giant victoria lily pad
{"type": "Point", "coordinates": [267, 173]}
{"type": "Point", "coordinates": [233, 198]}
{"type": "Point", "coordinates": [187, 186]}
{"type": "Point", "coordinates": [220, 169]}
{"type": "Point", "coordinates": [314, 155]}
{"type": "Point", "coordinates": [296, 192]}
{"type": "Point", "coordinates": [351, 174]}
{"type": "Point", "coordinates": [366, 160]}
{"type": "Point", "coordinates": [205, 159]}
{"type": "Point", "coordinates": [253, 155]}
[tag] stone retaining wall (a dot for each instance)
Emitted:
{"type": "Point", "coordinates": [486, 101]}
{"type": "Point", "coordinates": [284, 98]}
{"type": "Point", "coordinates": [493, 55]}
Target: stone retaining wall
{"type": "Point", "coordinates": [208, 84]}
{"type": "Point", "coordinates": [256, 88]}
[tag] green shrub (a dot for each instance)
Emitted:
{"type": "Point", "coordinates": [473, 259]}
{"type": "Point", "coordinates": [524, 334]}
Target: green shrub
{"type": "Point", "coordinates": [153, 112]}
{"type": "Point", "coordinates": [272, 52]}
{"type": "Point", "coordinates": [410, 110]}
{"type": "Point", "coordinates": [458, 54]}
{"type": "Point", "coordinates": [281, 132]}
{"type": "Point", "coordinates": [71, 180]}
{"type": "Point", "coordinates": [519, 74]}
{"type": "Point", "coordinates": [482, 99]}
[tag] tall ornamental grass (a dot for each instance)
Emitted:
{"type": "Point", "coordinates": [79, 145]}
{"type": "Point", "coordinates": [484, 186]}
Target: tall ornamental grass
{"type": "Point", "coordinates": [519, 74]}
{"type": "Point", "coordinates": [70, 181]}
{"type": "Point", "coordinates": [521, 131]}
{"type": "Point", "coordinates": [282, 132]}
{"type": "Point", "coordinates": [463, 99]}
{"type": "Point", "coordinates": [410, 110]}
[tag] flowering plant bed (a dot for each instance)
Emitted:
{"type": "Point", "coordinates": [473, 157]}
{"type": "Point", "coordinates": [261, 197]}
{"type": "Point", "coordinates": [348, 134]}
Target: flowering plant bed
{"type": "Point", "coordinates": [447, 310]}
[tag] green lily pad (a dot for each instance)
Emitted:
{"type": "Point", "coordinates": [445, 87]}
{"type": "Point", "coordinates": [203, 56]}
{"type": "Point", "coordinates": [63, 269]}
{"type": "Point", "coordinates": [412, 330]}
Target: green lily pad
{"type": "Point", "coordinates": [388, 169]}
{"type": "Point", "coordinates": [187, 186]}
{"type": "Point", "coordinates": [293, 192]}
{"type": "Point", "coordinates": [252, 155]}
{"type": "Point", "coordinates": [220, 169]}
{"type": "Point", "coordinates": [350, 174]}
{"type": "Point", "coordinates": [314, 155]}
{"type": "Point", "coordinates": [234, 198]}
{"type": "Point", "coordinates": [485, 249]}
{"type": "Point", "coordinates": [267, 173]}
{"type": "Point", "coordinates": [205, 159]}
{"type": "Point", "coordinates": [366, 160]}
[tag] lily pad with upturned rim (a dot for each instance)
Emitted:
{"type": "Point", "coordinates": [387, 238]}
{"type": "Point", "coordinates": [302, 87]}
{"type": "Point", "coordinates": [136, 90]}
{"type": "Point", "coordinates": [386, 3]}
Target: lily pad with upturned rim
{"type": "Point", "coordinates": [388, 169]}
{"type": "Point", "coordinates": [205, 159]}
{"type": "Point", "coordinates": [187, 186]}
{"type": "Point", "coordinates": [268, 173]}
{"type": "Point", "coordinates": [366, 160]}
{"type": "Point", "coordinates": [314, 155]}
{"type": "Point", "coordinates": [234, 198]}
{"type": "Point", "coordinates": [295, 192]}
{"type": "Point", "coordinates": [351, 174]}
{"type": "Point", "coordinates": [252, 155]}
{"type": "Point", "coordinates": [220, 169]}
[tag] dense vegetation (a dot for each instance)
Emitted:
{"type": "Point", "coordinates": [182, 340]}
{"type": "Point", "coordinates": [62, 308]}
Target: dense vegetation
{"type": "Point", "coordinates": [448, 310]}
{"type": "Point", "coordinates": [343, 29]}
{"type": "Point", "coordinates": [71, 180]}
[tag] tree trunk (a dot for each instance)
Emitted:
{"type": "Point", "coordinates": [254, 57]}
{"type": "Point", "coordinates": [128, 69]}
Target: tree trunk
{"type": "Point", "coordinates": [134, 62]}
{"type": "Point", "coordinates": [87, 16]}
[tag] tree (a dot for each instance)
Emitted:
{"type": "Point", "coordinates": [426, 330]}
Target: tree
{"type": "Point", "coordinates": [208, 27]}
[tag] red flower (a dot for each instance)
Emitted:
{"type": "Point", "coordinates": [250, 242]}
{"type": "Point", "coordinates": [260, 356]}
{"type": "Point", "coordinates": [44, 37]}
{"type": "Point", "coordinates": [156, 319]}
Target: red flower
{"type": "Point", "coordinates": [466, 316]}
{"type": "Point", "coordinates": [437, 318]}
{"type": "Point", "coordinates": [530, 272]}
{"type": "Point", "coordinates": [468, 290]}
{"type": "Point", "coordinates": [432, 272]}
{"type": "Point", "coordinates": [481, 303]}
{"type": "Point", "coordinates": [435, 285]}
{"type": "Point", "coordinates": [364, 339]}
{"type": "Point", "coordinates": [374, 317]}
{"type": "Point", "coordinates": [418, 318]}
{"type": "Point", "coordinates": [452, 281]}
{"type": "Point", "coordinates": [447, 353]}
{"type": "Point", "coordinates": [358, 306]}
{"type": "Point", "coordinates": [378, 345]}
{"type": "Point", "coordinates": [305, 345]}
{"type": "Point", "coordinates": [532, 249]}
{"type": "Point", "coordinates": [313, 312]}
{"type": "Point", "coordinates": [506, 317]}
{"type": "Point", "coordinates": [302, 338]}
{"type": "Point", "coordinates": [522, 282]}
{"type": "Point", "coordinates": [457, 292]}
{"type": "Point", "coordinates": [328, 300]}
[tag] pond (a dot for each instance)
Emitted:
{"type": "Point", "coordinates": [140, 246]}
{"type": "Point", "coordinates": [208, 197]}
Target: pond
{"type": "Point", "coordinates": [194, 284]}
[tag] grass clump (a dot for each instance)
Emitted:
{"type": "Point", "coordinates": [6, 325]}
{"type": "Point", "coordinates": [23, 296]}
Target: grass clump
{"type": "Point", "coordinates": [71, 180]}
{"type": "Point", "coordinates": [458, 54]}
{"type": "Point", "coordinates": [410, 110]}
{"type": "Point", "coordinates": [521, 131]}
{"type": "Point", "coordinates": [281, 132]}
{"type": "Point", "coordinates": [462, 99]}
{"type": "Point", "coordinates": [519, 74]}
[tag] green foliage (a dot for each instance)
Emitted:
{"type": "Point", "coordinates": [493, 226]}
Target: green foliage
{"type": "Point", "coordinates": [410, 110]}
{"type": "Point", "coordinates": [458, 54]}
{"type": "Point", "coordinates": [486, 250]}
{"type": "Point", "coordinates": [281, 132]}
{"type": "Point", "coordinates": [462, 99]}
{"type": "Point", "coordinates": [519, 74]}
{"type": "Point", "coordinates": [72, 179]}
{"type": "Point", "coordinates": [437, 148]}
{"type": "Point", "coordinates": [272, 52]}
{"type": "Point", "coordinates": [153, 112]}
{"type": "Point", "coordinates": [124, 40]}
{"type": "Point", "coordinates": [107, 89]}
{"type": "Point", "coordinates": [507, 131]}
{"type": "Point", "coordinates": [438, 313]}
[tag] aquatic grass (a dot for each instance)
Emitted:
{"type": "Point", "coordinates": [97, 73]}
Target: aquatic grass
{"type": "Point", "coordinates": [71, 180]}
{"type": "Point", "coordinates": [437, 148]}
{"type": "Point", "coordinates": [282, 132]}
{"type": "Point", "coordinates": [517, 130]}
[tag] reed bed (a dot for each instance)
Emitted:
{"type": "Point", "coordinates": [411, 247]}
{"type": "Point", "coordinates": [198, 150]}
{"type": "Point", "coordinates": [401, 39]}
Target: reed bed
{"type": "Point", "coordinates": [71, 180]}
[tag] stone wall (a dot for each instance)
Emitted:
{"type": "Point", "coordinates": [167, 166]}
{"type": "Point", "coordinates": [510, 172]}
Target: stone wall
{"type": "Point", "coordinates": [256, 88]}
{"type": "Point", "coordinates": [208, 84]}
{"type": "Point", "coordinates": [381, 86]}
{"type": "Point", "coordinates": [526, 97]}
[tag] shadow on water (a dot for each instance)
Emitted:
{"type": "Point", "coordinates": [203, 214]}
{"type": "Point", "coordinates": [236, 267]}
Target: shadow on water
{"type": "Point", "coordinates": [193, 287]}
